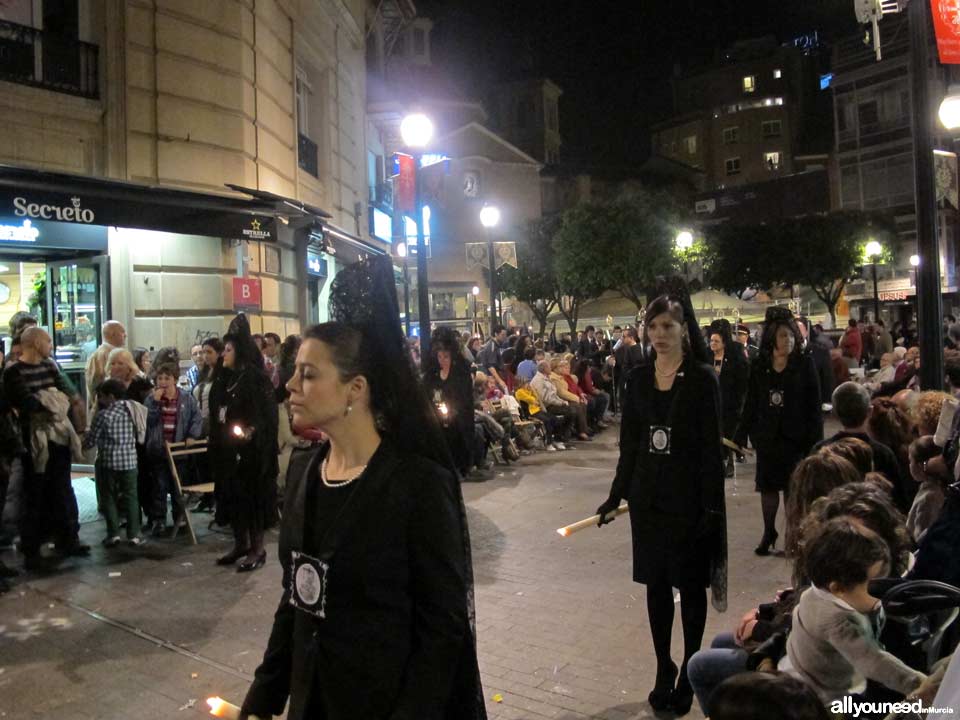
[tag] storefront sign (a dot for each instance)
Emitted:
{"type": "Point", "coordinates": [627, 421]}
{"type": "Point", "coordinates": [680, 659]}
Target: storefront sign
{"type": "Point", "coordinates": [24, 232]}
{"type": "Point", "coordinates": [946, 25]}
{"type": "Point", "coordinates": [246, 294]}
{"type": "Point", "coordinates": [60, 213]}
{"type": "Point", "coordinates": [316, 265]}
{"type": "Point", "coordinates": [52, 235]}
{"type": "Point", "coordinates": [405, 186]}
{"type": "Point", "coordinates": [893, 295]}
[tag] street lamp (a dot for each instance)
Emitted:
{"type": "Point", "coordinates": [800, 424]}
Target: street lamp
{"type": "Point", "coordinates": [489, 217]}
{"type": "Point", "coordinates": [402, 252]}
{"type": "Point", "coordinates": [949, 112]}
{"type": "Point", "coordinates": [873, 251]}
{"type": "Point", "coordinates": [684, 241]}
{"type": "Point", "coordinates": [416, 130]}
{"type": "Point", "coordinates": [475, 291]}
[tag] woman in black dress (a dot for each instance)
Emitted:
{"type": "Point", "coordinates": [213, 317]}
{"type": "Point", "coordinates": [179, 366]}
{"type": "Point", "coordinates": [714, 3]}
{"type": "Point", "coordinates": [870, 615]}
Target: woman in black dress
{"type": "Point", "coordinates": [781, 415]}
{"type": "Point", "coordinates": [733, 372]}
{"type": "Point", "coordinates": [449, 385]}
{"type": "Point", "coordinates": [671, 473]}
{"type": "Point", "coordinates": [375, 621]}
{"type": "Point", "coordinates": [243, 446]}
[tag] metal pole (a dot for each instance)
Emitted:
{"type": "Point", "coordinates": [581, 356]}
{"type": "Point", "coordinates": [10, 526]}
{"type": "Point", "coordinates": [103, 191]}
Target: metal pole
{"type": "Point", "coordinates": [423, 288]}
{"type": "Point", "coordinates": [492, 261]}
{"type": "Point", "coordinates": [929, 301]}
{"type": "Point", "coordinates": [876, 295]}
{"type": "Point", "coordinates": [474, 328]}
{"type": "Point", "coordinates": [406, 296]}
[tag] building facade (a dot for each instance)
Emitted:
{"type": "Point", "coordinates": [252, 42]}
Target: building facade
{"type": "Point", "coordinates": [227, 99]}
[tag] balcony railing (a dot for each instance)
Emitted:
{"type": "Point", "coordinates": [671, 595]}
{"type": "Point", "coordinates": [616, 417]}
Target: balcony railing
{"type": "Point", "coordinates": [33, 57]}
{"type": "Point", "coordinates": [307, 155]}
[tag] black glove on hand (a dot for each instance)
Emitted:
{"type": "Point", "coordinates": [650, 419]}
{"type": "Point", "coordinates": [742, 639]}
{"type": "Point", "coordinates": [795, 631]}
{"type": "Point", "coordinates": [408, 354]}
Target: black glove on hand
{"type": "Point", "coordinates": [608, 506]}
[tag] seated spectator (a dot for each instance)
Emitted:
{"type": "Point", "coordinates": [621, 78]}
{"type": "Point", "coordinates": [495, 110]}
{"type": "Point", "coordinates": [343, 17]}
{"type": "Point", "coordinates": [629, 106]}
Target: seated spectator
{"type": "Point", "coordinates": [114, 434]}
{"type": "Point", "coordinates": [577, 405]}
{"type": "Point", "coordinates": [547, 395]}
{"type": "Point", "coordinates": [528, 366]}
{"type": "Point", "coordinates": [851, 406]}
{"type": "Point", "coordinates": [892, 427]}
{"type": "Point", "coordinates": [931, 494]}
{"type": "Point", "coordinates": [886, 374]}
{"type": "Point", "coordinates": [525, 394]}
{"type": "Point", "coordinates": [926, 411]}
{"type": "Point", "coordinates": [761, 696]}
{"type": "Point", "coordinates": [855, 451]}
{"type": "Point", "coordinates": [597, 400]}
{"type": "Point", "coordinates": [813, 477]}
{"type": "Point", "coordinates": [833, 645]}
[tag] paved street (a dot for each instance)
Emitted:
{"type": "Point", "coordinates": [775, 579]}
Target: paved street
{"type": "Point", "coordinates": [562, 629]}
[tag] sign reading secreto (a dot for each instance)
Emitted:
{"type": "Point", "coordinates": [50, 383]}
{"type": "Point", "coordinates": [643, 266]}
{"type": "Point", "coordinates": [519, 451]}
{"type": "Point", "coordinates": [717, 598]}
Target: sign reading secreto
{"type": "Point", "coordinates": [946, 25]}
{"type": "Point", "coordinates": [246, 294]}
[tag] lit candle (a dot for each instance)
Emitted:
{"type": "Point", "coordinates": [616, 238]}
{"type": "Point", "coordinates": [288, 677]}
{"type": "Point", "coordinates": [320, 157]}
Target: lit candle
{"type": "Point", "coordinates": [237, 431]}
{"type": "Point", "coordinates": [587, 522]}
{"type": "Point", "coordinates": [443, 409]}
{"type": "Point", "coordinates": [222, 709]}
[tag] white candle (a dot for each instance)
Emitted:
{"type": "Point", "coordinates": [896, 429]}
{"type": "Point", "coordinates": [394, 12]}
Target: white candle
{"type": "Point", "coordinates": [222, 709]}
{"type": "Point", "coordinates": [587, 522]}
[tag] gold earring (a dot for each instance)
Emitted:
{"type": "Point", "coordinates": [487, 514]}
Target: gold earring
{"type": "Point", "coordinates": [347, 411]}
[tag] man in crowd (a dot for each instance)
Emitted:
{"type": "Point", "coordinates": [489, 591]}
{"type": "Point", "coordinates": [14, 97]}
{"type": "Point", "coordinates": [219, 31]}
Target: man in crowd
{"type": "Point", "coordinates": [271, 346]}
{"type": "Point", "coordinates": [884, 339]}
{"type": "Point", "coordinates": [587, 347]}
{"type": "Point", "coordinates": [490, 357]}
{"type": "Point", "coordinates": [547, 395]}
{"type": "Point", "coordinates": [193, 374]}
{"type": "Point", "coordinates": [35, 387]}
{"type": "Point", "coordinates": [821, 358]}
{"type": "Point", "coordinates": [626, 357]}
{"type": "Point", "coordinates": [852, 343]}
{"type": "Point", "coordinates": [114, 336]}
{"type": "Point", "coordinates": [750, 351]}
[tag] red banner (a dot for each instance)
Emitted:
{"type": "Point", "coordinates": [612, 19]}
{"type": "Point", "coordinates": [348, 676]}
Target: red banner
{"type": "Point", "coordinates": [946, 24]}
{"type": "Point", "coordinates": [405, 185]}
{"type": "Point", "coordinates": [246, 294]}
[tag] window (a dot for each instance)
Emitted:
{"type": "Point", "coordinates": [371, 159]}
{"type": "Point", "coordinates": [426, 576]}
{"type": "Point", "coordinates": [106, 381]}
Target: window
{"type": "Point", "coordinates": [749, 83]}
{"type": "Point", "coordinates": [771, 128]}
{"type": "Point", "coordinates": [419, 42]}
{"type": "Point", "coordinates": [777, 74]}
{"type": "Point", "coordinates": [868, 113]}
{"type": "Point", "coordinates": [771, 160]}
{"type": "Point", "coordinates": [303, 102]}
{"type": "Point", "coordinates": [733, 166]}
{"type": "Point", "coordinates": [731, 135]}
{"type": "Point", "coordinates": [690, 143]}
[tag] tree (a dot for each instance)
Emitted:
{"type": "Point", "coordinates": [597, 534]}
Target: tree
{"type": "Point", "coordinates": [533, 282]}
{"type": "Point", "coordinates": [581, 259]}
{"type": "Point", "coordinates": [743, 259]}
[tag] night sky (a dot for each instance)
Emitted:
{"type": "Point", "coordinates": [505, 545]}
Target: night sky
{"type": "Point", "coordinates": [613, 58]}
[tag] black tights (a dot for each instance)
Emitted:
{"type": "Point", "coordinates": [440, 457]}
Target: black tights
{"type": "Point", "coordinates": [693, 615]}
{"type": "Point", "coordinates": [769, 504]}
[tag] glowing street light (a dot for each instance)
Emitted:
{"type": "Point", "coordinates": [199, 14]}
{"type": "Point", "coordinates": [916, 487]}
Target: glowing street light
{"type": "Point", "coordinates": [416, 130]}
{"type": "Point", "coordinates": [874, 251]}
{"type": "Point", "coordinates": [684, 240]}
{"type": "Point", "coordinates": [949, 112]}
{"type": "Point", "coordinates": [489, 216]}
{"type": "Point", "coordinates": [914, 260]}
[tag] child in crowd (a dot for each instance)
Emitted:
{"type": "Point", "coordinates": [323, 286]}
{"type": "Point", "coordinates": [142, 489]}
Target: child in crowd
{"type": "Point", "coordinates": [931, 495]}
{"type": "Point", "coordinates": [172, 416]}
{"type": "Point", "coordinates": [834, 645]}
{"type": "Point", "coordinates": [114, 434]}
{"type": "Point", "coordinates": [492, 391]}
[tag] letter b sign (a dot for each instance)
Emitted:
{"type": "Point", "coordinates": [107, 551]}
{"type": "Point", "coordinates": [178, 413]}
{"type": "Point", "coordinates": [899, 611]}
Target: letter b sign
{"type": "Point", "coordinates": [246, 294]}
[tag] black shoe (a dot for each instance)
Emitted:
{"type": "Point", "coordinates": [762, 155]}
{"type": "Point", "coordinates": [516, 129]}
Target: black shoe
{"type": "Point", "coordinates": [768, 541]}
{"type": "Point", "coordinates": [76, 549]}
{"type": "Point", "coordinates": [251, 565]}
{"type": "Point", "coordinates": [682, 698]}
{"type": "Point", "coordinates": [661, 697]}
{"type": "Point", "coordinates": [231, 557]}
{"type": "Point", "coordinates": [204, 506]}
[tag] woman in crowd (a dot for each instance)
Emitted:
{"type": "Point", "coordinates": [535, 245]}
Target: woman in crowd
{"type": "Point", "coordinates": [733, 373]}
{"type": "Point", "coordinates": [212, 349]}
{"type": "Point", "coordinates": [286, 364]}
{"type": "Point", "coordinates": [378, 511]}
{"type": "Point", "coordinates": [890, 426]}
{"type": "Point", "coordinates": [781, 414]}
{"type": "Point", "coordinates": [578, 407]}
{"type": "Point", "coordinates": [597, 400]}
{"type": "Point", "coordinates": [144, 360]}
{"type": "Point", "coordinates": [122, 366]}
{"type": "Point", "coordinates": [671, 473]}
{"type": "Point", "coordinates": [449, 384]}
{"type": "Point", "coordinates": [813, 477]}
{"type": "Point", "coordinates": [243, 446]}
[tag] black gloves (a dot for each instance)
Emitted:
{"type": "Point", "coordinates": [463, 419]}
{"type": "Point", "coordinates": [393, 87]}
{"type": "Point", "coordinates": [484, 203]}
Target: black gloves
{"type": "Point", "coordinates": [608, 506]}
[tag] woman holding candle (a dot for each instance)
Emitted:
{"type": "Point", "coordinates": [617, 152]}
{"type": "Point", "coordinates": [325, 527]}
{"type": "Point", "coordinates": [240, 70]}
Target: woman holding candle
{"type": "Point", "coordinates": [243, 442]}
{"type": "Point", "coordinates": [449, 384]}
{"type": "Point", "coordinates": [781, 414]}
{"type": "Point", "coordinates": [375, 621]}
{"type": "Point", "coordinates": [671, 473]}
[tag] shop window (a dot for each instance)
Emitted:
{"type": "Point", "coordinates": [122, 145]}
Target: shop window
{"type": "Point", "coordinates": [733, 166]}
{"type": "Point", "coordinates": [749, 83]}
{"type": "Point", "coordinates": [771, 160]}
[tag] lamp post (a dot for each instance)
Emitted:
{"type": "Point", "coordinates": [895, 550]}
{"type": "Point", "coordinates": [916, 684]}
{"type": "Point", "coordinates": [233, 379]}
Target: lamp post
{"type": "Point", "coordinates": [416, 130]}
{"type": "Point", "coordinates": [475, 291]}
{"type": "Point", "coordinates": [402, 252]}
{"type": "Point", "coordinates": [489, 217]}
{"type": "Point", "coordinates": [874, 251]}
{"type": "Point", "coordinates": [684, 241]}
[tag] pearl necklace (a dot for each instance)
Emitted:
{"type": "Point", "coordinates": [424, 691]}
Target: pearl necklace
{"type": "Point", "coordinates": [337, 483]}
{"type": "Point", "coordinates": [662, 373]}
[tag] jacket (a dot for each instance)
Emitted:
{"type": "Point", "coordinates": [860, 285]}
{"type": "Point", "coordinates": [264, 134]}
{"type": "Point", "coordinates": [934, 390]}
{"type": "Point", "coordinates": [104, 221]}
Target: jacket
{"type": "Point", "coordinates": [396, 642]}
{"type": "Point", "coordinates": [54, 426]}
{"type": "Point", "coordinates": [563, 389]}
{"type": "Point", "coordinates": [546, 391]}
{"type": "Point", "coordinates": [795, 425]}
{"type": "Point", "coordinates": [834, 649]}
{"type": "Point", "coordinates": [852, 343]}
{"type": "Point", "coordinates": [530, 398]}
{"type": "Point", "coordinates": [189, 422]}
{"type": "Point", "coordinates": [734, 376]}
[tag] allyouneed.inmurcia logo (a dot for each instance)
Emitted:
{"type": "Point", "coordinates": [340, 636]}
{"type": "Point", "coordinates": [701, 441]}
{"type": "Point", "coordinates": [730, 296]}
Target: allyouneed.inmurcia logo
{"type": "Point", "coordinates": [62, 213]}
{"type": "Point", "coordinates": [851, 708]}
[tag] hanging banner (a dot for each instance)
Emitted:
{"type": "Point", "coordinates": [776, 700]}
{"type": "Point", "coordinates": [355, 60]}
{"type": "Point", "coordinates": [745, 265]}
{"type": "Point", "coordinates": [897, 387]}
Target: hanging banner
{"type": "Point", "coordinates": [945, 176]}
{"type": "Point", "coordinates": [946, 25]}
{"type": "Point", "coordinates": [505, 253]}
{"type": "Point", "coordinates": [405, 185]}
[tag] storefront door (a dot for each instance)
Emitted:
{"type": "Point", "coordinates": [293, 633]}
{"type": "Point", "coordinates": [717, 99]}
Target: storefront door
{"type": "Point", "coordinates": [78, 303]}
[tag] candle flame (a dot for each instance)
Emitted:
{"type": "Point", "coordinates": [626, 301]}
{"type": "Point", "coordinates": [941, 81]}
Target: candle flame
{"type": "Point", "coordinates": [563, 532]}
{"type": "Point", "coordinates": [222, 709]}
{"type": "Point", "coordinates": [443, 409]}
{"type": "Point", "coordinates": [238, 431]}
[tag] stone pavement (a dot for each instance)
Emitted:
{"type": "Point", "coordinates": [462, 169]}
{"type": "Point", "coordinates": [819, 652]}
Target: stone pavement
{"type": "Point", "coordinates": [562, 629]}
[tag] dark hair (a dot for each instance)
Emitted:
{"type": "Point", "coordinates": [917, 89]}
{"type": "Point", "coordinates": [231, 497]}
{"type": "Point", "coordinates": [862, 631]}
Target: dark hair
{"type": "Point", "coordinates": [880, 323]}
{"type": "Point", "coordinates": [167, 369]}
{"type": "Point", "coordinates": [288, 351]}
{"type": "Point", "coordinates": [497, 329]}
{"type": "Point", "coordinates": [273, 336]}
{"type": "Point", "coordinates": [679, 309]}
{"type": "Point", "coordinates": [855, 450]}
{"type": "Point", "coordinates": [167, 354]}
{"type": "Point", "coordinates": [589, 328]}
{"type": "Point", "coordinates": [112, 388]}
{"type": "Point", "coordinates": [246, 352]}
{"type": "Point", "coordinates": [215, 343]}
{"type": "Point", "coordinates": [759, 696]}
{"type": "Point", "coordinates": [520, 353]}
{"type": "Point", "coordinates": [768, 338]}
{"type": "Point", "coordinates": [853, 322]}
{"type": "Point", "coordinates": [19, 320]}
{"type": "Point", "coordinates": [446, 339]}
{"type": "Point", "coordinates": [851, 403]}
{"type": "Point", "coordinates": [207, 373]}
{"type": "Point", "coordinates": [891, 426]}
{"type": "Point", "coordinates": [870, 505]}
{"type": "Point", "coordinates": [923, 449]}
{"type": "Point", "coordinates": [722, 327]}
{"type": "Point", "coordinates": [138, 355]}
{"type": "Point", "coordinates": [632, 332]}
{"type": "Point", "coordinates": [813, 477]}
{"type": "Point", "coordinates": [841, 551]}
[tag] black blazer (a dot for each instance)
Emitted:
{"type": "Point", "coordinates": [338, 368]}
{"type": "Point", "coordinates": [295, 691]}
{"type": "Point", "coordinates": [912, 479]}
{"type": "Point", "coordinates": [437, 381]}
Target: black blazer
{"type": "Point", "coordinates": [696, 455]}
{"type": "Point", "coordinates": [734, 376]}
{"type": "Point", "coordinates": [396, 642]}
{"type": "Point", "coordinates": [798, 424]}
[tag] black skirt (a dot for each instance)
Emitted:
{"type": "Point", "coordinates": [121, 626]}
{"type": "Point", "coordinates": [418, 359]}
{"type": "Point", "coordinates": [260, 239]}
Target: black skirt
{"type": "Point", "coordinates": [666, 548]}
{"type": "Point", "coordinates": [774, 468]}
